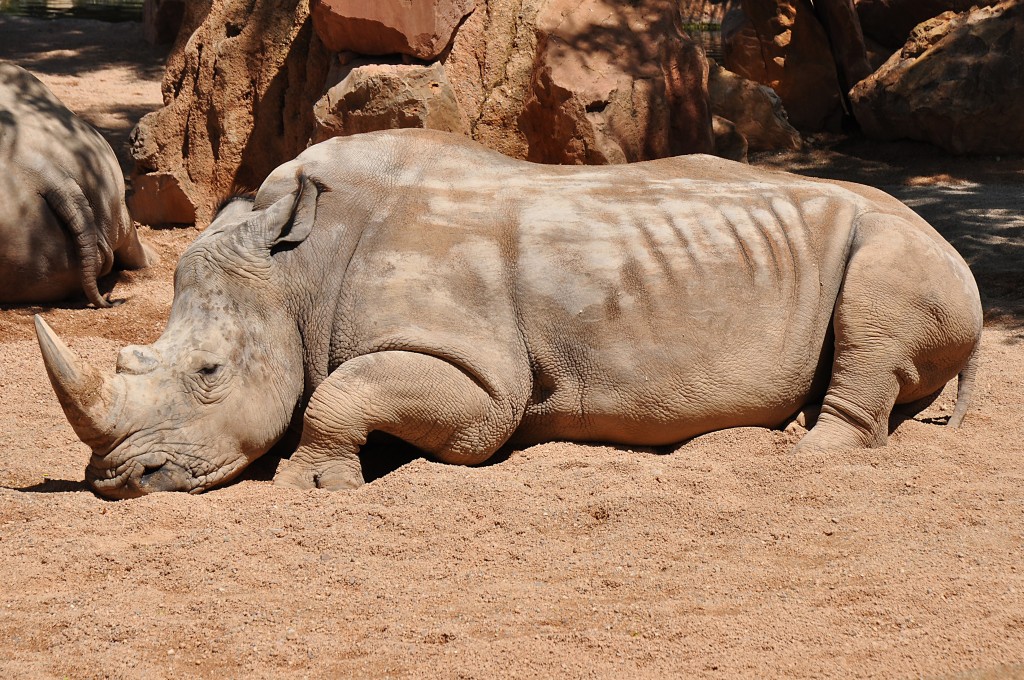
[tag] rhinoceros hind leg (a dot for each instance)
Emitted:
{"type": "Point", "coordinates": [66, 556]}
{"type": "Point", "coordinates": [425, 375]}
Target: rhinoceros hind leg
{"type": "Point", "coordinates": [421, 399]}
{"type": "Point", "coordinates": [905, 324]}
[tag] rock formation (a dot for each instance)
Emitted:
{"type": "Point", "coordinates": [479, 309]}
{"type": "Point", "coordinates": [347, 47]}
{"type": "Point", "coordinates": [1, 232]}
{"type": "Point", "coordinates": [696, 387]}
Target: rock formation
{"type": "Point", "coordinates": [581, 82]}
{"type": "Point", "coordinates": [729, 143]}
{"type": "Point", "coordinates": [161, 20]}
{"type": "Point", "coordinates": [382, 96]}
{"type": "Point", "coordinates": [786, 48]}
{"type": "Point", "coordinates": [420, 29]}
{"type": "Point", "coordinates": [742, 47]}
{"type": "Point", "coordinates": [238, 92]}
{"type": "Point", "coordinates": [554, 81]}
{"type": "Point", "coordinates": [842, 26]}
{"type": "Point", "coordinates": [957, 83]}
{"type": "Point", "coordinates": [614, 83]}
{"type": "Point", "coordinates": [755, 110]}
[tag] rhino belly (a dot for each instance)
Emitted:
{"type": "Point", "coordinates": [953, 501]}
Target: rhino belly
{"type": "Point", "coordinates": [629, 388]}
{"type": "Point", "coordinates": [652, 331]}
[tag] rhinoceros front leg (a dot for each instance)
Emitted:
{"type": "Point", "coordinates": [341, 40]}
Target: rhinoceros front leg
{"type": "Point", "coordinates": [421, 399]}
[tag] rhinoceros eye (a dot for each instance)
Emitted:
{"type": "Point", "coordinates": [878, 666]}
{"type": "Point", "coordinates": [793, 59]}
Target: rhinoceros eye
{"type": "Point", "coordinates": [210, 370]}
{"type": "Point", "coordinates": [208, 375]}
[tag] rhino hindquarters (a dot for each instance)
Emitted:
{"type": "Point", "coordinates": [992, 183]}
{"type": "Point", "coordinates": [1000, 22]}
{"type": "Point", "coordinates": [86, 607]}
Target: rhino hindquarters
{"type": "Point", "coordinates": [69, 203]}
{"type": "Point", "coordinates": [907, 320]}
{"type": "Point", "coordinates": [421, 399]}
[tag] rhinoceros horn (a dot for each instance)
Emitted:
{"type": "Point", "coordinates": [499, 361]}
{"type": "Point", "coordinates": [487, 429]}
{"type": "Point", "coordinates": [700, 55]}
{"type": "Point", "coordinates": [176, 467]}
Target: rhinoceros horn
{"type": "Point", "coordinates": [88, 397]}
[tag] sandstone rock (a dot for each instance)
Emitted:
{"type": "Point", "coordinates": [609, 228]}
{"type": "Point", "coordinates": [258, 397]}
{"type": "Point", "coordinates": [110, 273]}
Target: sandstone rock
{"type": "Point", "coordinates": [238, 94]}
{"type": "Point", "coordinates": [157, 198]}
{"type": "Point", "coordinates": [560, 81]}
{"type": "Point", "coordinates": [847, 40]}
{"type": "Point", "coordinates": [372, 97]}
{"type": "Point", "coordinates": [491, 66]}
{"type": "Point", "coordinates": [957, 83]}
{"type": "Point", "coordinates": [161, 20]}
{"type": "Point", "coordinates": [614, 83]}
{"type": "Point", "coordinates": [755, 109]}
{"type": "Point", "coordinates": [878, 53]}
{"type": "Point", "coordinates": [729, 142]}
{"type": "Point", "coordinates": [792, 56]}
{"type": "Point", "coordinates": [889, 22]}
{"type": "Point", "coordinates": [420, 29]}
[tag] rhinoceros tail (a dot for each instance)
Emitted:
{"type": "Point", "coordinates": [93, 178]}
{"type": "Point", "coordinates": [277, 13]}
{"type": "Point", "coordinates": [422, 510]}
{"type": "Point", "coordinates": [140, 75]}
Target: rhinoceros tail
{"type": "Point", "coordinates": [965, 387]}
{"type": "Point", "coordinates": [68, 202]}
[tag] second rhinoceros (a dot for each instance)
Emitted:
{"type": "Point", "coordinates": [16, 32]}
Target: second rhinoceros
{"type": "Point", "coordinates": [63, 220]}
{"type": "Point", "coordinates": [415, 283]}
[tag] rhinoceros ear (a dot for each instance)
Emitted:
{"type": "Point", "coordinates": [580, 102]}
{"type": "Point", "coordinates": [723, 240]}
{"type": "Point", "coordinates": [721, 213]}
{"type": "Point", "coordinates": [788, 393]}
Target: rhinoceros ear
{"type": "Point", "coordinates": [289, 220]}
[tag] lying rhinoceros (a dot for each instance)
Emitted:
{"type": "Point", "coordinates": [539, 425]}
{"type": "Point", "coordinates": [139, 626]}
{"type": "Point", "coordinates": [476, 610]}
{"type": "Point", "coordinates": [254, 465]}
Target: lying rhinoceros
{"type": "Point", "coordinates": [415, 283]}
{"type": "Point", "coordinates": [63, 220]}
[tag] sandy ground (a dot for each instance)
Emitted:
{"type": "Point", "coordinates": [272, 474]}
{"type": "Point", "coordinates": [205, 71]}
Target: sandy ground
{"type": "Point", "coordinates": [722, 557]}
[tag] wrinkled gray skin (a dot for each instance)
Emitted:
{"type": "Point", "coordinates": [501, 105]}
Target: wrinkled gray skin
{"type": "Point", "coordinates": [415, 283]}
{"type": "Point", "coordinates": [63, 221]}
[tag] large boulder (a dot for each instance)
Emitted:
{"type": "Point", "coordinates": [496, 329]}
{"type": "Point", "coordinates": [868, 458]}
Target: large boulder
{"type": "Point", "coordinates": [491, 67]}
{"type": "Point", "coordinates": [741, 47]}
{"type": "Point", "coordinates": [420, 29]}
{"type": "Point", "coordinates": [786, 48]}
{"type": "Point", "coordinates": [372, 97]}
{"type": "Point", "coordinates": [957, 83]}
{"type": "Point", "coordinates": [755, 109]}
{"type": "Point", "coordinates": [560, 81]}
{"type": "Point", "coordinates": [729, 142]}
{"type": "Point", "coordinates": [238, 97]}
{"type": "Point", "coordinates": [613, 85]}
{"type": "Point", "coordinates": [889, 22]}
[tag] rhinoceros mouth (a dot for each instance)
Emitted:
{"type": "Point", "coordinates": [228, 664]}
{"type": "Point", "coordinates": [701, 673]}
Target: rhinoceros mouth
{"type": "Point", "coordinates": [140, 476]}
{"type": "Point", "coordinates": [119, 476]}
{"type": "Point", "coordinates": [150, 472]}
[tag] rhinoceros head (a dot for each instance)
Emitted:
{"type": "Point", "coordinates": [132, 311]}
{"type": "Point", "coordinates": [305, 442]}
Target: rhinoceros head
{"type": "Point", "coordinates": [220, 385]}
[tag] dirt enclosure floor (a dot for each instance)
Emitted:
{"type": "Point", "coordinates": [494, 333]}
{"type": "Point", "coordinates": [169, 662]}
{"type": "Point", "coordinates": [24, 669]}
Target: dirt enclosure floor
{"type": "Point", "coordinates": [722, 557]}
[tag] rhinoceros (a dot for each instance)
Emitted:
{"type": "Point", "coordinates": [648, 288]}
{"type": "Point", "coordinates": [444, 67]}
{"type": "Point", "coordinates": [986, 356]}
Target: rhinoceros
{"type": "Point", "coordinates": [63, 221]}
{"type": "Point", "coordinates": [418, 284]}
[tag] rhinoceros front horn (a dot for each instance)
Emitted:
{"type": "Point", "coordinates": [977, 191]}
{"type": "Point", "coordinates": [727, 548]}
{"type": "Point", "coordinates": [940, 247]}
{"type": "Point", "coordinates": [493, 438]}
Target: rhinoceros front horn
{"type": "Point", "coordinates": [88, 397]}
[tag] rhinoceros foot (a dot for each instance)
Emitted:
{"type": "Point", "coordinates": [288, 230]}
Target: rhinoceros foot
{"type": "Point", "coordinates": [334, 475]}
{"type": "Point", "coordinates": [835, 432]}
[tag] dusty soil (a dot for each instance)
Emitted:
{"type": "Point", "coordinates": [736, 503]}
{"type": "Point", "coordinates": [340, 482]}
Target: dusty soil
{"type": "Point", "coordinates": [723, 557]}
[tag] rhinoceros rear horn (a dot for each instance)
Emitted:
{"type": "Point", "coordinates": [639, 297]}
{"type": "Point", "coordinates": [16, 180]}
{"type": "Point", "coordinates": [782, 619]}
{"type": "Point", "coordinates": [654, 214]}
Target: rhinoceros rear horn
{"type": "Point", "coordinates": [87, 396]}
{"type": "Point", "coordinates": [290, 219]}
